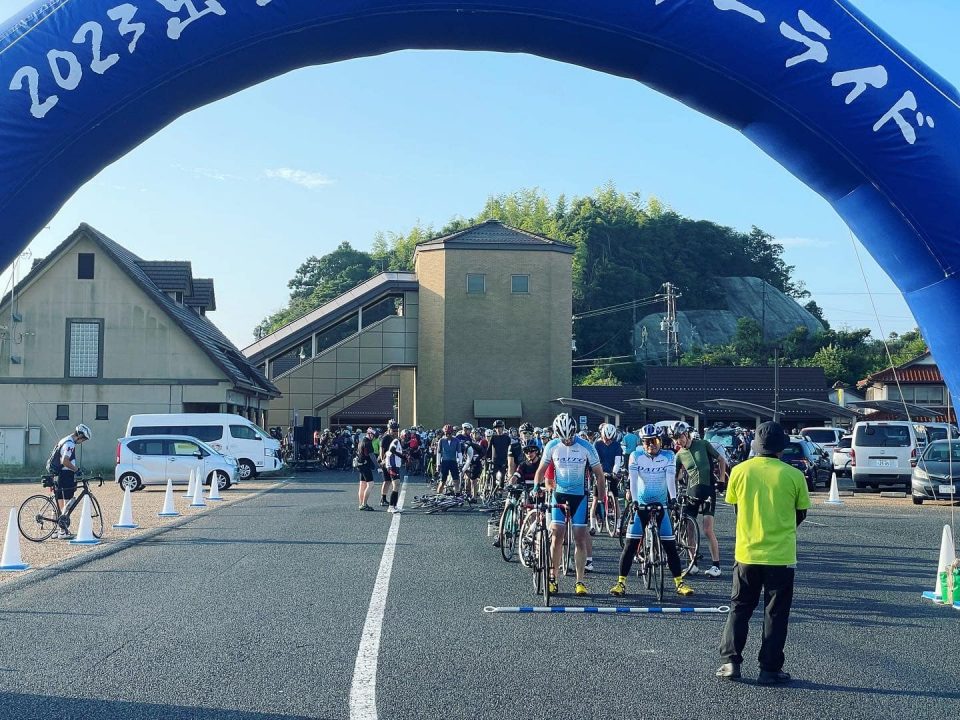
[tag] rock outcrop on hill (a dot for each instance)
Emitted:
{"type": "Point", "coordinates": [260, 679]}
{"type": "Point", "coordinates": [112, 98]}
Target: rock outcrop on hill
{"type": "Point", "coordinates": [749, 297]}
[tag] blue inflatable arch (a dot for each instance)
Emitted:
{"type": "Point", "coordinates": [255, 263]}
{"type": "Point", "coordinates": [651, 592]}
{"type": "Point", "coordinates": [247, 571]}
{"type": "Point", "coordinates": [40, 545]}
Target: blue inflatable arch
{"type": "Point", "coordinates": [814, 84]}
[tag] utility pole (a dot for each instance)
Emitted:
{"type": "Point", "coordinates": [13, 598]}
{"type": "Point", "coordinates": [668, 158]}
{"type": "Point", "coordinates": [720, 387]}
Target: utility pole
{"type": "Point", "coordinates": [669, 322]}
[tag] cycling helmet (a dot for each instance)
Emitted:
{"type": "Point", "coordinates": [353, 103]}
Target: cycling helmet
{"type": "Point", "coordinates": [466, 426]}
{"type": "Point", "coordinates": [680, 428]}
{"type": "Point", "coordinates": [526, 428]}
{"type": "Point", "coordinates": [393, 425]}
{"type": "Point", "coordinates": [371, 431]}
{"type": "Point", "coordinates": [448, 429]}
{"type": "Point", "coordinates": [498, 423]}
{"type": "Point", "coordinates": [649, 431]}
{"type": "Point", "coordinates": [584, 434]}
{"type": "Point", "coordinates": [489, 433]}
{"type": "Point", "coordinates": [83, 430]}
{"type": "Point", "coordinates": [564, 426]}
{"type": "Point", "coordinates": [608, 431]}
{"type": "Point", "coordinates": [531, 447]}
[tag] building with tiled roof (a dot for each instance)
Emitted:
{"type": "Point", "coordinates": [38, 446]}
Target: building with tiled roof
{"type": "Point", "coordinates": [480, 330]}
{"type": "Point", "coordinates": [94, 333]}
{"type": "Point", "coordinates": [917, 382]}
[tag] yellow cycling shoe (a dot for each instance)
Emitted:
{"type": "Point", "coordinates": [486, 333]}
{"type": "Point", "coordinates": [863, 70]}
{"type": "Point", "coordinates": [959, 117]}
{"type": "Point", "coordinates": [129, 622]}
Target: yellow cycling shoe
{"type": "Point", "coordinates": [553, 586]}
{"type": "Point", "coordinates": [619, 590]}
{"type": "Point", "coordinates": [683, 589]}
{"type": "Point", "coordinates": [580, 589]}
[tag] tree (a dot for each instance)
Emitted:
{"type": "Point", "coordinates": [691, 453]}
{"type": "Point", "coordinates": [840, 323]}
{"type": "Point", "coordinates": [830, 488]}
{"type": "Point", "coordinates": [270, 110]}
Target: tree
{"type": "Point", "coordinates": [599, 376]}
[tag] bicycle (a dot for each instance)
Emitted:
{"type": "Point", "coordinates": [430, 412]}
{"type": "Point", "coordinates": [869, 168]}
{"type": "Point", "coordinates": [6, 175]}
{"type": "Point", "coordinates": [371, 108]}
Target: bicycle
{"type": "Point", "coordinates": [606, 515]}
{"type": "Point", "coordinates": [650, 558]}
{"type": "Point", "coordinates": [687, 532]}
{"type": "Point", "coordinates": [40, 515]}
{"type": "Point", "coordinates": [538, 535]}
{"type": "Point", "coordinates": [511, 520]}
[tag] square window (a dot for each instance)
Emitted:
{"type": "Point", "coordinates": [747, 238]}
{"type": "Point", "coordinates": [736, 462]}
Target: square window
{"type": "Point", "coordinates": [84, 348]}
{"type": "Point", "coordinates": [85, 266]}
{"type": "Point", "coordinates": [63, 412]}
{"type": "Point", "coordinates": [103, 412]}
{"type": "Point", "coordinates": [520, 284]}
{"type": "Point", "coordinates": [476, 284]}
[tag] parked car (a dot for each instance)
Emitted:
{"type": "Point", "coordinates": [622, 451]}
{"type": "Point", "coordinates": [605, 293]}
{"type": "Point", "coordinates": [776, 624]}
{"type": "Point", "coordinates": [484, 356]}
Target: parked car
{"type": "Point", "coordinates": [825, 437]}
{"type": "Point", "coordinates": [939, 431]}
{"type": "Point", "coordinates": [810, 459]}
{"type": "Point", "coordinates": [841, 456]}
{"type": "Point", "coordinates": [256, 451]}
{"type": "Point", "coordinates": [938, 466]}
{"type": "Point", "coordinates": [884, 452]}
{"type": "Point", "coordinates": [151, 459]}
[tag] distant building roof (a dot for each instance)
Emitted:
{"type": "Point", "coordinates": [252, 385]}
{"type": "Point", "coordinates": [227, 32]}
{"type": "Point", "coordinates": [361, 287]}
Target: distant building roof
{"type": "Point", "coordinates": [202, 295]}
{"type": "Point", "coordinates": [913, 372]}
{"type": "Point", "coordinates": [204, 333]}
{"type": "Point", "coordinates": [494, 235]}
{"type": "Point", "coordinates": [169, 275]}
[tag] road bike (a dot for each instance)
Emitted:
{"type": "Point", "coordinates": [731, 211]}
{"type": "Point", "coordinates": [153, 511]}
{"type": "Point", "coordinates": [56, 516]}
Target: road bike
{"type": "Point", "coordinates": [40, 516]}
{"type": "Point", "coordinates": [687, 532]}
{"type": "Point", "coordinates": [511, 520]}
{"type": "Point", "coordinates": [536, 533]}
{"type": "Point", "coordinates": [650, 558]}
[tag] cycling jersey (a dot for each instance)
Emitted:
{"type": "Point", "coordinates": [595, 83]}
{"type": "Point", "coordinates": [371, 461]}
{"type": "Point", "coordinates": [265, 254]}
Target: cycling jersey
{"type": "Point", "coordinates": [651, 478]}
{"type": "Point", "coordinates": [611, 456]}
{"type": "Point", "coordinates": [527, 471]}
{"type": "Point", "coordinates": [447, 449]}
{"type": "Point", "coordinates": [498, 449]}
{"type": "Point", "coordinates": [570, 463]}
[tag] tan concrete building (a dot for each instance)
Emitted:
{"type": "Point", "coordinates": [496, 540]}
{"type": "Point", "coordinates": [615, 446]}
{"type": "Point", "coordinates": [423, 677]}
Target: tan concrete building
{"type": "Point", "coordinates": [480, 330]}
{"type": "Point", "coordinates": [94, 334]}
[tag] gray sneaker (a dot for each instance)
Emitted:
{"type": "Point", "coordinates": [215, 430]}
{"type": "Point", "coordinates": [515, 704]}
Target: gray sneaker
{"type": "Point", "coordinates": [712, 571]}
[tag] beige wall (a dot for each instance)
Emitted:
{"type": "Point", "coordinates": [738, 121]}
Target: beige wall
{"type": "Point", "coordinates": [495, 346]}
{"type": "Point", "coordinates": [146, 356]}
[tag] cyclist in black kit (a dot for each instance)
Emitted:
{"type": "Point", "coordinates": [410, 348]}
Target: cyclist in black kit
{"type": "Point", "coordinates": [499, 451]}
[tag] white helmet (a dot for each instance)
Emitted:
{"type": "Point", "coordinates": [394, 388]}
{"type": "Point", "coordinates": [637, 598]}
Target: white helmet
{"type": "Point", "coordinates": [679, 428]}
{"type": "Point", "coordinates": [466, 426]}
{"type": "Point", "coordinates": [83, 430]}
{"type": "Point", "coordinates": [564, 426]}
{"type": "Point", "coordinates": [608, 431]}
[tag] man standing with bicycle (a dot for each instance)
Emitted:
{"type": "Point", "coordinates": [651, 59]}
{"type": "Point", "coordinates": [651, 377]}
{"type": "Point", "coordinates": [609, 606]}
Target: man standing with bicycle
{"type": "Point", "coordinates": [696, 458]}
{"type": "Point", "coordinates": [64, 463]}
{"type": "Point", "coordinates": [570, 458]}
{"type": "Point", "coordinates": [653, 479]}
{"type": "Point", "coordinates": [771, 500]}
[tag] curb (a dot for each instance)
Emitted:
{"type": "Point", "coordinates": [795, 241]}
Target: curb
{"type": "Point", "coordinates": [50, 571]}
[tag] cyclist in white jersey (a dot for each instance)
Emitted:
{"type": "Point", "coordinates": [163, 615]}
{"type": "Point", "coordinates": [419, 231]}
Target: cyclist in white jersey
{"type": "Point", "coordinates": [570, 457]}
{"type": "Point", "coordinates": [653, 479]}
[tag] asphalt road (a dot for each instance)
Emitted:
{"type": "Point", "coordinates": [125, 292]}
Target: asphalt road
{"type": "Point", "coordinates": [255, 611]}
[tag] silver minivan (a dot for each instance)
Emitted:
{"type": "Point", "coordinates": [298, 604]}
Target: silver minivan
{"type": "Point", "coordinates": [151, 459]}
{"type": "Point", "coordinates": [884, 452]}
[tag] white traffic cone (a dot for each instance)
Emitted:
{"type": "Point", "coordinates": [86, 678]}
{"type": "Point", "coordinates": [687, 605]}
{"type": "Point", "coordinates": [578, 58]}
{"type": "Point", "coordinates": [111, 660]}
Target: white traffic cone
{"type": "Point", "coordinates": [169, 509]}
{"type": "Point", "coordinates": [11, 559]}
{"type": "Point", "coordinates": [126, 513]}
{"type": "Point", "coordinates": [190, 485]}
{"type": "Point", "coordinates": [198, 494]}
{"type": "Point", "coordinates": [85, 531]}
{"type": "Point", "coordinates": [214, 488]}
{"type": "Point", "coordinates": [834, 498]}
{"type": "Point", "coordinates": [947, 557]}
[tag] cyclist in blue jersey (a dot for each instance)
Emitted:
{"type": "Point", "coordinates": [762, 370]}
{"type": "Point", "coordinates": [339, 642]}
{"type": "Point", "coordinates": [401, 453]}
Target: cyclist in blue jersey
{"type": "Point", "coordinates": [611, 458]}
{"type": "Point", "coordinates": [571, 458]}
{"type": "Point", "coordinates": [653, 479]}
{"type": "Point", "coordinates": [448, 451]}
{"type": "Point", "coordinates": [630, 443]}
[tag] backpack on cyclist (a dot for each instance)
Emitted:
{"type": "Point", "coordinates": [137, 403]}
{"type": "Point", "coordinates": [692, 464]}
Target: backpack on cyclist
{"type": "Point", "coordinates": [55, 461]}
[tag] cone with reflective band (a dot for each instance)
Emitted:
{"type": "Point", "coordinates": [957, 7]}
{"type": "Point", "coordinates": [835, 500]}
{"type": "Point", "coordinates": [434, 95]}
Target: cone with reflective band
{"type": "Point", "coordinates": [947, 556]}
{"type": "Point", "coordinates": [169, 509]}
{"type": "Point", "coordinates": [834, 498]}
{"type": "Point", "coordinates": [85, 531]}
{"type": "Point", "coordinates": [214, 493]}
{"type": "Point", "coordinates": [126, 513]}
{"type": "Point", "coordinates": [11, 559]}
{"type": "Point", "coordinates": [198, 493]}
{"type": "Point", "coordinates": [190, 485]}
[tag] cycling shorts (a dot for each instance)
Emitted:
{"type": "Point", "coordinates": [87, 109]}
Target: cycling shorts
{"type": "Point", "coordinates": [640, 519]}
{"type": "Point", "coordinates": [65, 485]}
{"type": "Point", "coordinates": [578, 509]}
{"type": "Point", "coordinates": [703, 498]}
{"type": "Point", "coordinates": [449, 468]}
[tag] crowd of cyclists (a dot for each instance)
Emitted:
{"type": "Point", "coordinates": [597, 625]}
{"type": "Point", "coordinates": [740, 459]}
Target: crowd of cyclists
{"type": "Point", "coordinates": [587, 479]}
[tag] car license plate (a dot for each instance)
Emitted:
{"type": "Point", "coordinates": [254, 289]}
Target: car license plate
{"type": "Point", "coordinates": [946, 489]}
{"type": "Point", "coordinates": [890, 462]}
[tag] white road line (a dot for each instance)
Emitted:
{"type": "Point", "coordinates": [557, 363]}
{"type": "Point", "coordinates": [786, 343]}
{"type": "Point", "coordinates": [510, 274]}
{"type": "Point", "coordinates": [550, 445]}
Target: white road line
{"type": "Point", "coordinates": [363, 689]}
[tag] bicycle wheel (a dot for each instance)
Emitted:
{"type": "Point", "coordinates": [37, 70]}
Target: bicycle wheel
{"type": "Point", "coordinates": [535, 561]}
{"type": "Point", "coordinates": [545, 566]}
{"type": "Point", "coordinates": [612, 519]}
{"type": "Point", "coordinates": [508, 531]}
{"type": "Point", "coordinates": [688, 542]}
{"type": "Point", "coordinates": [96, 517]}
{"type": "Point", "coordinates": [568, 549]}
{"type": "Point", "coordinates": [627, 521]}
{"type": "Point", "coordinates": [528, 540]}
{"type": "Point", "coordinates": [37, 518]}
{"type": "Point", "coordinates": [647, 564]}
{"type": "Point", "coordinates": [657, 561]}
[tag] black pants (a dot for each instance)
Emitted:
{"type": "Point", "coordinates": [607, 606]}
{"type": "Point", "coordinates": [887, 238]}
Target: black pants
{"type": "Point", "coordinates": [776, 582]}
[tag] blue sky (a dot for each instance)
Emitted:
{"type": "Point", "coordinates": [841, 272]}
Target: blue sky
{"type": "Point", "coordinates": [248, 187]}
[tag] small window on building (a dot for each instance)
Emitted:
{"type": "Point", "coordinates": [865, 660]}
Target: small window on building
{"type": "Point", "coordinates": [85, 266]}
{"type": "Point", "coordinates": [63, 412]}
{"type": "Point", "coordinates": [476, 284]}
{"type": "Point", "coordinates": [103, 412]}
{"type": "Point", "coordinates": [520, 284]}
{"type": "Point", "coordinates": [84, 348]}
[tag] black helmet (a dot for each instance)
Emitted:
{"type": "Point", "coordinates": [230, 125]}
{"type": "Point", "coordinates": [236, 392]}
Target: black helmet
{"type": "Point", "coordinates": [393, 425]}
{"type": "Point", "coordinates": [526, 428]}
{"type": "Point", "coordinates": [498, 423]}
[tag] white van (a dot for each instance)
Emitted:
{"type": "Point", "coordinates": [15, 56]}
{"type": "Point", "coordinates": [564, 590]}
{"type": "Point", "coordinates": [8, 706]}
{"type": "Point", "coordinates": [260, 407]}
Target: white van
{"type": "Point", "coordinates": [884, 452]}
{"type": "Point", "coordinates": [226, 433]}
{"type": "Point", "coordinates": [826, 437]}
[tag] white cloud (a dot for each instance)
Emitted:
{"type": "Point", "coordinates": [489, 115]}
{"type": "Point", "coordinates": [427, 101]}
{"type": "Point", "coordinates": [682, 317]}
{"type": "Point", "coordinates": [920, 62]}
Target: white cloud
{"type": "Point", "coordinates": [797, 242]}
{"type": "Point", "coordinates": [309, 180]}
{"type": "Point", "coordinates": [209, 173]}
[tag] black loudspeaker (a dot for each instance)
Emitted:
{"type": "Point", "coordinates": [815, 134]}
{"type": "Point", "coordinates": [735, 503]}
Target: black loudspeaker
{"type": "Point", "coordinates": [302, 437]}
{"type": "Point", "coordinates": [311, 423]}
